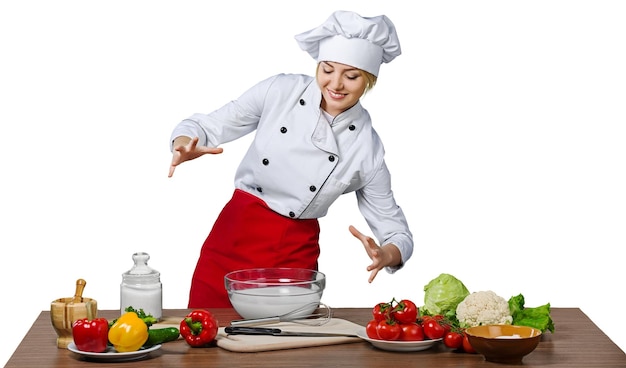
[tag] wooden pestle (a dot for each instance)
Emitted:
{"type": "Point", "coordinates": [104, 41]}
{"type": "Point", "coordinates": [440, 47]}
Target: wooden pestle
{"type": "Point", "coordinates": [78, 295]}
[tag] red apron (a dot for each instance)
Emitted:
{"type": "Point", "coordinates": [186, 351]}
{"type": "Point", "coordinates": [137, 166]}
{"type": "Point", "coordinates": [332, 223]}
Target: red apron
{"type": "Point", "coordinates": [248, 234]}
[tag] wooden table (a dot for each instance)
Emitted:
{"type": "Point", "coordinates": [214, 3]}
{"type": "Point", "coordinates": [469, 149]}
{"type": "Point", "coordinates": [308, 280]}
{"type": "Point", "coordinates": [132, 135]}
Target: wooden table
{"type": "Point", "coordinates": [577, 342]}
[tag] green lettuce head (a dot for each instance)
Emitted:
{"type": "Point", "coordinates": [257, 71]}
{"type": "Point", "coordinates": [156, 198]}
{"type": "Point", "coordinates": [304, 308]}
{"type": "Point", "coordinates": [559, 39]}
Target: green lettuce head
{"type": "Point", "coordinates": [443, 294]}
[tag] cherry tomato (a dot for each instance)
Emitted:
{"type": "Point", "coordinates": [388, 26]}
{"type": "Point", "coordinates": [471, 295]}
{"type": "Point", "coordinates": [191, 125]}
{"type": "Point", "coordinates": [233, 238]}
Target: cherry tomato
{"type": "Point", "coordinates": [411, 332]}
{"type": "Point", "coordinates": [433, 330]}
{"type": "Point", "coordinates": [388, 330]}
{"type": "Point", "coordinates": [467, 347]}
{"type": "Point", "coordinates": [381, 311]}
{"type": "Point", "coordinates": [453, 340]}
{"type": "Point", "coordinates": [405, 311]}
{"type": "Point", "coordinates": [370, 329]}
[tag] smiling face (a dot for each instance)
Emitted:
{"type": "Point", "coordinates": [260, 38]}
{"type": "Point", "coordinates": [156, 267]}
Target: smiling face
{"type": "Point", "coordinates": [342, 86]}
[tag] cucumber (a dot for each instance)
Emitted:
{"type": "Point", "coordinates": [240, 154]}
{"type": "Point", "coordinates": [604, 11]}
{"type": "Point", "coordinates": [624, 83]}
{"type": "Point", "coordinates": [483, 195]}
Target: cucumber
{"type": "Point", "coordinates": [161, 335]}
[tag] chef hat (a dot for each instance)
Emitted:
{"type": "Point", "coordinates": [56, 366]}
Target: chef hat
{"type": "Point", "coordinates": [350, 39]}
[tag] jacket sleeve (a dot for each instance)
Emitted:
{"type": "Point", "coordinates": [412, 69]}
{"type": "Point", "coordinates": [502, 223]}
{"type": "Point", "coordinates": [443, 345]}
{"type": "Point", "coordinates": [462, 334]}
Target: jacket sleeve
{"type": "Point", "coordinates": [384, 217]}
{"type": "Point", "coordinates": [234, 120]}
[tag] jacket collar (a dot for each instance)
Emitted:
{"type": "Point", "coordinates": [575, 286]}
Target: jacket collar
{"type": "Point", "coordinates": [324, 135]}
{"type": "Point", "coordinates": [312, 98]}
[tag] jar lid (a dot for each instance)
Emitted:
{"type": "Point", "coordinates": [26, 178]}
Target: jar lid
{"type": "Point", "coordinates": [141, 270]}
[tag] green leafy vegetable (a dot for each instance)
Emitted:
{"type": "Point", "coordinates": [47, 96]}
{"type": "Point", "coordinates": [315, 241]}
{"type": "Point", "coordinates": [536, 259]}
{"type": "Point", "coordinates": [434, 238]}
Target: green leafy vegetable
{"type": "Point", "coordinates": [443, 294]}
{"type": "Point", "coordinates": [148, 319]}
{"type": "Point", "coordinates": [538, 317]}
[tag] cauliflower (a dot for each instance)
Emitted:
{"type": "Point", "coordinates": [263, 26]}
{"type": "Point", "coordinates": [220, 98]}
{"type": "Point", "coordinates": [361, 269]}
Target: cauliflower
{"type": "Point", "coordinates": [483, 308]}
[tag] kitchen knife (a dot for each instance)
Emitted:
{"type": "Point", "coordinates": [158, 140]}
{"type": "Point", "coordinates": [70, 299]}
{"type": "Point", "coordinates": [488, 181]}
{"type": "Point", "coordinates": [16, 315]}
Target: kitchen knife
{"type": "Point", "coordinates": [237, 330]}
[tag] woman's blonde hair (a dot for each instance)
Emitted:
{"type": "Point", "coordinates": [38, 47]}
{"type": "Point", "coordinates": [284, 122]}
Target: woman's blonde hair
{"type": "Point", "coordinates": [371, 80]}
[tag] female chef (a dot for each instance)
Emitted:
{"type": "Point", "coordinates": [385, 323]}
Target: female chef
{"type": "Point", "coordinates": [314, 142]}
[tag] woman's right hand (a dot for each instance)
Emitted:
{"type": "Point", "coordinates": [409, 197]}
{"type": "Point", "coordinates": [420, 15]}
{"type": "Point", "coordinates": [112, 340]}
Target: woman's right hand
{"type": "Point", "coordinates": [381, 256]}
{"type": "Point", "coordinates": [186, 149]}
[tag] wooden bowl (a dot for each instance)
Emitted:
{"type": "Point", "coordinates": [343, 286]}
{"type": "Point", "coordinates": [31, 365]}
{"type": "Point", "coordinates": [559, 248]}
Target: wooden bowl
{"type": "Point", "coordinates": [505, 344]}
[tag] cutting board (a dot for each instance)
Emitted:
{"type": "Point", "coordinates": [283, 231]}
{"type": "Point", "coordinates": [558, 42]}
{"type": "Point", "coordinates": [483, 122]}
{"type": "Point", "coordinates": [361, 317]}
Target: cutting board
{"type": "Point", "coordinates": [168, 322]}
{"type": "Point", "coordinates": [256, 343]}
{"type": "Point", "coordinates": [252, 343]}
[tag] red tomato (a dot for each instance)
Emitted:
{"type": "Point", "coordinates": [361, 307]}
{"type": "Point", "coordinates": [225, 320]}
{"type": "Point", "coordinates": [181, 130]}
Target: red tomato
{"type": "Point", "coordinates": [453, 340]}
{"type": "Point", "coordinates": [405, 311]}
{"type": "Point", "coordinates": [370, 329]}
{"type": "Point", "coordinates": [381, 311]}
{"type": "Point", "coordinates": [467, 347]}
{"type": "Point", "coordinates": [447, 326]}
{"type": "Point", "coordinates": [411, 332]}
{"type": "Point", "coordinates": [388, 330]}
{"type": "Point", "coordinates": [433, 330]}
{"type": "Point", "coordinates": [423, 319]}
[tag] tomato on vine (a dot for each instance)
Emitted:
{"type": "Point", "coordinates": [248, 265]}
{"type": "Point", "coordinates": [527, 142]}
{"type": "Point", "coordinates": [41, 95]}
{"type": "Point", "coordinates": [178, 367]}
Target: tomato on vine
{"type": "Point", "coordinates": [388, 330]}
{"type": "Point", "coordinates": [467, 347]}
{"type": "Point", "coordinates": [433, 329]}
{"type": "Point", "coordinates": [405, 311]}
{"type": "Point", "coordinates": [411, 332]}
{"type": "Point", "coordinates": [423, 319]}
{"type": "Point", "coordinates": [381, 311]}
{"type": "Point", "coordinates": [453, 340]}
{"type": "Point", "coordinates": [370, 329]}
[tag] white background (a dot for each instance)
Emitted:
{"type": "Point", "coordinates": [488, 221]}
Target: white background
{"type": "Point", "coordinates": [504, 124]}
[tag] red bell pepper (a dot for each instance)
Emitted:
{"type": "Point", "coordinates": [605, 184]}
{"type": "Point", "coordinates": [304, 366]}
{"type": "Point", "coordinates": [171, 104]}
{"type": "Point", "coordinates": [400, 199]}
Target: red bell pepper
{"type": "Point", "coordinates": [199, 328]}
{"type": "Point", "coordinates": [91, 335]}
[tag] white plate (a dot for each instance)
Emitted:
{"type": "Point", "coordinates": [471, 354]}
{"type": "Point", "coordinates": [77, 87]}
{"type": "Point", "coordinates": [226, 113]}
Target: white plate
{"type": "Point", "coordinates": [398, 345]}
{"type": "Point", "coordinates": [113, 356]}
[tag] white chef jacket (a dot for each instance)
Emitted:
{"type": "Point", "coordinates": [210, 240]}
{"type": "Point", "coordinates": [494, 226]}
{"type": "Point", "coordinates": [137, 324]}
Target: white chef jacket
{"type": "Point", "coordinates": [298, 163]}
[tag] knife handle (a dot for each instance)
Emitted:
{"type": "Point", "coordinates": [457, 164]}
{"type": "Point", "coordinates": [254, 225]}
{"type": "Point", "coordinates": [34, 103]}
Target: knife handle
{"type": "Point", "coordinates": [234, 330]}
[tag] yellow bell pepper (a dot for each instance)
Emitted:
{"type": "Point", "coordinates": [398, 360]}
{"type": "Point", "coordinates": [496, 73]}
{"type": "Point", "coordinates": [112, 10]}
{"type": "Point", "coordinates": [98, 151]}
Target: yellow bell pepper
{"type": "Point", "coordinates": [128, 333]}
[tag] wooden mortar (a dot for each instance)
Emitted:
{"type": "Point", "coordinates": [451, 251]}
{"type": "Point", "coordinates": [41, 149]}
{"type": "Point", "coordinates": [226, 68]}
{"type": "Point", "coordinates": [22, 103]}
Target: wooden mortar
{"type": "Point", "coordinates": [65, 311]}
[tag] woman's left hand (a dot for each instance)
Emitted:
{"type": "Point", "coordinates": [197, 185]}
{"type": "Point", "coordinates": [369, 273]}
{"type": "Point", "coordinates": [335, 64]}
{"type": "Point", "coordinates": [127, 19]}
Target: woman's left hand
{"type": "Point", "coordinates": [387, 255]}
